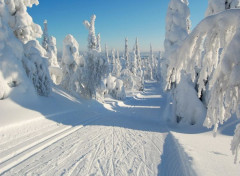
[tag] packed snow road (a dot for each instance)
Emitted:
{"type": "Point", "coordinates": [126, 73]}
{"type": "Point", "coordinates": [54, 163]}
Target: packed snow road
{"type": "Point", "coordinates": [61, 135]}
{"type": "Point", "coordinates": [120, 138]}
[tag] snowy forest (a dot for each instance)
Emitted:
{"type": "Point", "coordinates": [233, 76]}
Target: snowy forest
{"type": "Point", "coordinates": [67, 112]}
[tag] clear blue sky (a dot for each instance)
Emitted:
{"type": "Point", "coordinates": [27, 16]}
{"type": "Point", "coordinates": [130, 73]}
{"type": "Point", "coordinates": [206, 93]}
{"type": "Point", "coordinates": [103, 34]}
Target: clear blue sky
{"type": "Point", "coordinates": [116, 19]}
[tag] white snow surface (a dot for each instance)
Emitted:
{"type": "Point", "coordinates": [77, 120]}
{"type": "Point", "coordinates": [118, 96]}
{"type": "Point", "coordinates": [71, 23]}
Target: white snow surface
{"type": "Point", "coordinates": [62, 135]}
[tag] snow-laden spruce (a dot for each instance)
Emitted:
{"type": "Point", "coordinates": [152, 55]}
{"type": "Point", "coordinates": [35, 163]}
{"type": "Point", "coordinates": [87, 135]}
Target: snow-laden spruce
{"type": "Point", "coordinates": [148, 71]}
{"type": "Point", "coordinates": [17, 21]}
{"type": "Point", "coordinates": [216, 6]}
{"type": "Point", "coordinates": [117, 68]}
{"type": "Point", "coordinates": [12, 74]}
{"type": "Point", "coordinates": [98, 47]}
{"type": "Point", "coordinates": [92, 39]}
{"type": "Point", "coordinates": [210, 56]}
{"type": "Point", "coordinates": [20, 21]}
{"type": "Point", "coordinates": [132, 75]}
{"type": "Point", "coordinates": [177, 25]}
{"type": "Point", "coordinates": [126, 53]}
{"type": "Point", "coordinates": [36, 67]}
{"type": "Point", "coordinates": [114, 87]}
{"type": "Point", "coordinates": [177, 29]}
{"type": "Point", "coordinates": [96, 66]}
{"type": "Point", "coordinates": [49, 44]}
{"type": "Point", "coordinates": [70, 57]}
{"type": "Point", "coordinates": [45, 36]}
{"type": "Point", "coordinates": [138, 70]}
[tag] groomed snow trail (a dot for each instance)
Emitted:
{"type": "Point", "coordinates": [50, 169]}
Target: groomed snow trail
{"type": "Point", "coordinates": [124, 138]}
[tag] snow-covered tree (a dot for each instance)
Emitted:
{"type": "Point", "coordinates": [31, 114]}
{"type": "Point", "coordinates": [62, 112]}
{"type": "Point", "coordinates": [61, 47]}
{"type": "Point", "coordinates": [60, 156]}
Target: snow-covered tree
{"type": "Point", "coordinates": [106, 52]}
{"type": "Point", "coordinates": [151, 62]}
{"type": "Point", "coordinates": [36, 67]}
{"type": "Point", "coordinates": [54, 68]}
{"type": "Point", "coordinates": [126, 53]}
{"type": "Point", "coordinates": [21, 22]}
{"type": "Point", "coordinates": [12, 73]}
{"type": "Point", "coordinates": [49, 44]}
{"type": "Point", "coordinates": [147, 69]}
{"type": "Point", "coordinates": [210, 56]}
{"type": "Point", "coordinates": [177, 25]}
{"type": "Point", "coordinates": [99, 49]}
{"type": "Point", "coordinates": [138, 67]}
{"type": "Point", "coordinates": [52, 52]}
{"type": "Point", "coordinates": [45, 40]}
{"type": "Point", "coordinates": [159, 63]}
{"type": "Point", "coordinates": [16, 16]}
{"type": "Point", "coordinates": [138, 55]}
{"type": "Point", "coordinates": [96, 66]}
{"type": "Point", "coordinates": [92, 40]}
{"type": "Point", "coordinates": [70, 58]}
{"type": "Point", "coordinates": [116, 65]}
{"type": "Point", "coordinates": [216, 6]}
{"type": "Point", "coordinates": [113, 61]}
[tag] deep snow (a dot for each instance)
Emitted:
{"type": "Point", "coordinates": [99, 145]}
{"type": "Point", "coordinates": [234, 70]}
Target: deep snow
{"type": "Point", "coordinates": [62, 135]}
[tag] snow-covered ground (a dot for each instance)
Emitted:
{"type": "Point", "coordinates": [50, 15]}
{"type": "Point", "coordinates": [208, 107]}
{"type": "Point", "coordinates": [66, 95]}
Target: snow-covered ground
{"type": "Point", "coordinates": [61, 135]}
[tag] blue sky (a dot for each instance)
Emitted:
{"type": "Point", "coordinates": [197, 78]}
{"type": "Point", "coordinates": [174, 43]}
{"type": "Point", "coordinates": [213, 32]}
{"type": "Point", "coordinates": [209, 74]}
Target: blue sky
{"type": "Point", "coordinates": [116, 20]}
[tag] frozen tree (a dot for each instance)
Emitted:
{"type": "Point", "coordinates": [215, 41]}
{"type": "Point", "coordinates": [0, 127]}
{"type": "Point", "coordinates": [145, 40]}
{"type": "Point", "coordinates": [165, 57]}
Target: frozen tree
{"type": "Point", "coordinates": [210, 56]}
{"type": "Point", "coordinates": [107, 59]}
{"type": "Point", "coordinates": [36, 67]}
{"type": "Point", "coordinates": [133, 76]}
{"type": "Point", "coordinates": [52, 52]}
{"type": "Point", "coordinates": [92, 40]}
{"type": "Point", "coordinates": [118, 63]}
{"type": "Point", "coordinates": [216, 6]}
{"type": "Point", "coordinates": [147, 69]}
{"type": "Point", "coordinates": [138, 67]}
{"type": "Point", "coordinates": [151, 62]}
{"type": "Point", "coordinates": [133, 62]}
{"type": "Point", "coordinates": [99, 49]}
{"type": "Point", "coordinates": [126, 53]}
{"type": "Point", "coordinates": [49, 44]}
{"type": "Point", "coordinates": [114, 87]}
{"type": "Point", "coordinates": [106, 52]}
{"type": "Point", "coordinates": [113, 61]}
{"type": "Point", "coordinates": [96, 66]}
{"type": "Point", "coordinates": [54, 68]}
{"type": "Point", "coordinates": [159, 63]}
{"type": "Point", "coordinates": [12, 73]}
{"type": "Point", "coordinates": [116, 66]}
{"type": "Point", "coordinates": [138, 55]}
{"type": "Point", "coordinates": [69, 63]}
{"type": "Point", "coordinates": [177, 25]}
{"type": "Point", "coordinates": [45, 37]}
{"type": "Point", "coordinates": [21, 22]}
{"type": "Point", "coordinates": [16, 16]}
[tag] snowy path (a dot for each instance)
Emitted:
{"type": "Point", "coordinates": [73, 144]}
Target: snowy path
{"type": "Point", "coordinates": [128, 139]}
{"type": "Point", "coordinates": [63, 136]}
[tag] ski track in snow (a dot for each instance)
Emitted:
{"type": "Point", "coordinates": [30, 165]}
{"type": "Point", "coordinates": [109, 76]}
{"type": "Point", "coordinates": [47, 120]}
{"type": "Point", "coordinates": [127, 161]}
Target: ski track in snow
{"type": "Point", "coordinates": [90, 149]}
